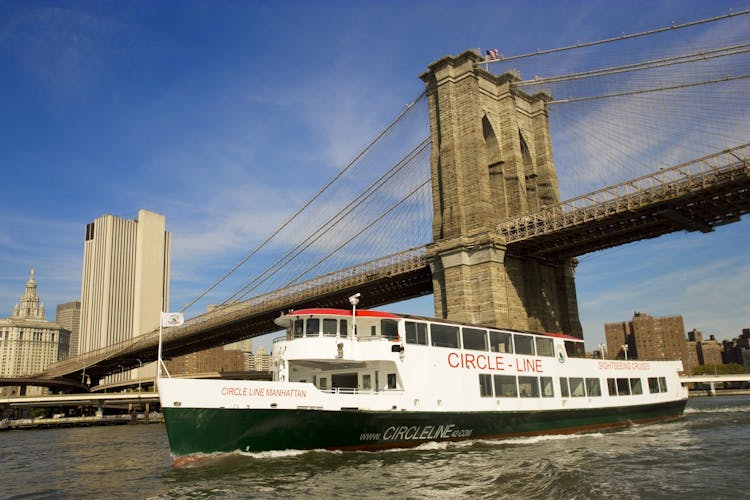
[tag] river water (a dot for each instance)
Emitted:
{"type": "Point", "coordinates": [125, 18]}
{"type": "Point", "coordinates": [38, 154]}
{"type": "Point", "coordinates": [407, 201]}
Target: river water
{"type": "Point", "coordinates": [704, 454]}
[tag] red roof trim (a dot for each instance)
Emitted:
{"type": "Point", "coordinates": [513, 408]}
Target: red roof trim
{"type": "Point", "coordinates": [563, 336]}
{"type": "Point", "coordinates": [361, 313]}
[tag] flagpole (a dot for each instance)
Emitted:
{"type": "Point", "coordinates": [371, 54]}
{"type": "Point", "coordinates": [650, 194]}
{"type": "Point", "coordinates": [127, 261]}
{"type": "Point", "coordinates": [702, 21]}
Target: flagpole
{"type": "Point", "coordinates": [158, 351]}
{"type": "Point", "coordinates": [158, 354]}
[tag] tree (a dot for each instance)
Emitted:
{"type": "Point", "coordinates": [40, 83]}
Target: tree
{"type": "Point", "coordinates": [728, 369]}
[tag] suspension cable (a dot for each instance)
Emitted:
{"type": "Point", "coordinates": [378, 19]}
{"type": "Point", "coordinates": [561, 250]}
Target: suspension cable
{"type": "Point", "coordinates": [309, 202]}
{"type": "Point", "coordinates": [365, 228]}
{"type": "Point", "coordinates": [647, 91]}
{"type": "Point", "coordinates": [329, 224]}
{"type": "Point", "coordinates": [618, 38]}
{"type": "Point", "coordinates": [654, 63]}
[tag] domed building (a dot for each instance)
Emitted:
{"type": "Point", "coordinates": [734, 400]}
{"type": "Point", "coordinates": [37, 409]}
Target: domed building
{"type": "Point", "coordinates": [28, 342]}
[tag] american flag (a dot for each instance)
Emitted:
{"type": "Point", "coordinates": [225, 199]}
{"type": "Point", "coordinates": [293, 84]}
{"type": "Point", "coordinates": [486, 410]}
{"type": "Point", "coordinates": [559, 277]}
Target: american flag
{"type": "Point", "coordinates": [492, 55]}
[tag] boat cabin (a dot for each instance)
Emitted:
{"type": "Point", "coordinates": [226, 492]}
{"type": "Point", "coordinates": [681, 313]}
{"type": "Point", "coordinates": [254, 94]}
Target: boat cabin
{"type": "Point", "coordinates": [342, 353]}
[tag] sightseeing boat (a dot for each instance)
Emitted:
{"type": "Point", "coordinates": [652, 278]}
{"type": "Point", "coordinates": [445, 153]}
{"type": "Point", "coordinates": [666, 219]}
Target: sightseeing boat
{"type": "Point", "coordinates": [368, 380]}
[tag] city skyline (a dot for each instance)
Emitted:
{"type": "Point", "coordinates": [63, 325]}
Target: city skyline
{"type": "Point", "coordinates": [226, 118]}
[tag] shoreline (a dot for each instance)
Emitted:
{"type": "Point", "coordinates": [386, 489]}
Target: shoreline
{"type": "Point", "coordinates": [92, 421]}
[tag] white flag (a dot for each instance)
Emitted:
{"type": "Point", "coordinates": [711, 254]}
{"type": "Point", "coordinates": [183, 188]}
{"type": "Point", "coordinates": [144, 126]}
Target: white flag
{"type": "Point", "coordinates": [172, 319]}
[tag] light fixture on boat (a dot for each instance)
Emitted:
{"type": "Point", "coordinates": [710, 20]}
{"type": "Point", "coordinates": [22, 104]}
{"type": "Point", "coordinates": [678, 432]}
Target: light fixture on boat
{"type": "Point", "coordinates": [354, 300]}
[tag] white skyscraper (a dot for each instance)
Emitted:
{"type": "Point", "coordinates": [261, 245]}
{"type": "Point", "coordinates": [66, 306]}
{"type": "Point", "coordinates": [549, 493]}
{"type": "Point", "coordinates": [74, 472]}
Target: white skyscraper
{"type": "Point", "coordinates": [125, 281]}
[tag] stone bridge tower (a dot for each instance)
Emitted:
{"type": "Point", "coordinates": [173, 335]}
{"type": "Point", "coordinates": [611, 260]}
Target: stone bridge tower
{"type": "Point", "coordinates": [491, 159]}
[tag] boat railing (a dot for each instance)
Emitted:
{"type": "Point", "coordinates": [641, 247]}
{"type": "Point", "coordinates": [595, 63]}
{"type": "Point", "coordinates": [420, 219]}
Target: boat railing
{"type": "Point", "coordinates": [356, 391]}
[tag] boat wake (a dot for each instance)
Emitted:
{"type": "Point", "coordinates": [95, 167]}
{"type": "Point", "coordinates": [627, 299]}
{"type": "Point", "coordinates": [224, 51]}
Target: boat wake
{"type": "Point", "coordinates": [731, 409]}
{"type": "Point", "coordinates": [201, 459]}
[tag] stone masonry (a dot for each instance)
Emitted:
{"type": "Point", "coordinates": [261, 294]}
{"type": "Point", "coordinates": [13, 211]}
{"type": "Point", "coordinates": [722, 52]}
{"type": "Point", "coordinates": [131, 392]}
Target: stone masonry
{"type": "Point", "coordinates": [491, 159]}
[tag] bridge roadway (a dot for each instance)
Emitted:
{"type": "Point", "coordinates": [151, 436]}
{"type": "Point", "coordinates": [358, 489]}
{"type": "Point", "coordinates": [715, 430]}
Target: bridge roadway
{"type": "Point", "coordinates": [697, 195]}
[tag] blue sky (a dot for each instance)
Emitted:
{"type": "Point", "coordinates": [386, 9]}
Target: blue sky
{"type": "Point", "coordinates": [227, 116]}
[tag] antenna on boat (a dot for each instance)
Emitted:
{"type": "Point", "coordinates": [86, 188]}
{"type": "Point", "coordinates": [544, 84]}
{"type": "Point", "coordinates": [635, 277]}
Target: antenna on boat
{"type": "Point", "coordinates": [354, 300]}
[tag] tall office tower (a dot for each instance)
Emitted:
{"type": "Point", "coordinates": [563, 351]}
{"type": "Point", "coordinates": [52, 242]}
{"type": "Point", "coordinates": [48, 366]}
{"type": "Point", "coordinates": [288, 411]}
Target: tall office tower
{"type": "Point", "coordinates": [28, 342]}
{"type": "Point", "coordinates": [68, 316]}
{"type": "Point", "coordinates": [125, 279]}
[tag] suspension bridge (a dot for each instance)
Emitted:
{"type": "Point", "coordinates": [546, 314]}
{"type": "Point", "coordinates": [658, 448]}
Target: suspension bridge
{"type": "Point", "coordinates": [650, 133]}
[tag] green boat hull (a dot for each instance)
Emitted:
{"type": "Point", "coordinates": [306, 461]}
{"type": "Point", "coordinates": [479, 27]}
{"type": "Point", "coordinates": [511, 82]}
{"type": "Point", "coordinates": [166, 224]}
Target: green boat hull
{"type": "Point", "coordinates": [212, 430]}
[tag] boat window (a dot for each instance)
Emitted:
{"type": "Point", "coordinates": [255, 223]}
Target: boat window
{"type": "Point", "coordinates": [564, 387]}
{"type": "Point", "coordinates": [298, 328]}
{"type": "Point", "coordinates": [485, 385]}
{"type": "Point", "coordinates": [391, 380]}
{"type": "Point", "coordinates": [323, 383]}
{"type": "Point", "coordinates": [623, 388]}
{"type": "Point", "coordinates": [505, 386]}
{"type": "Point", "coordinates": [528, 387]}
{"type": "Point", "coordinates": [635, 386]}
{"type": "Point", "coordinates": [524, 344]}
{"type": "Point", "coordinates": [592, 387]}
{"type": "Point", "coordinates": [389, 328]}
{"type": "Point", "coordinates": [474, 339]}
{"type": "Point", "coordinates": [545, 347]}
{"type": "Point", "coordinates": [416, 333]}
{"type": "Point", "coordinates": [366, 381]}
{"type": "Point", "coordinates": [612, 387]}
{"type": "Point", "coordinates": [344, 381]}
{"type": "Point", "coordinates": [575, 349]}
{"type": "Point", "coordinates": [444, 335]}
{"type": "Point", "coordinates": [548, 390]}
{"type": "Point", "coordinates": [313, 327]}
{"type": "Point", "coordinates": [663, 384]}
{"type": "Point", "coordinates": [329, 327]}
{"type": "Point", "coordinates": [500, 342]}
{"type": "Point", "coordinates": [373, 330]}
{"type": "Point", "coordinates": [576, 387]}
{"type": "Point", "coordinates": [343, 328]}
{"type": "Point", "coordinates": [653, 385]}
